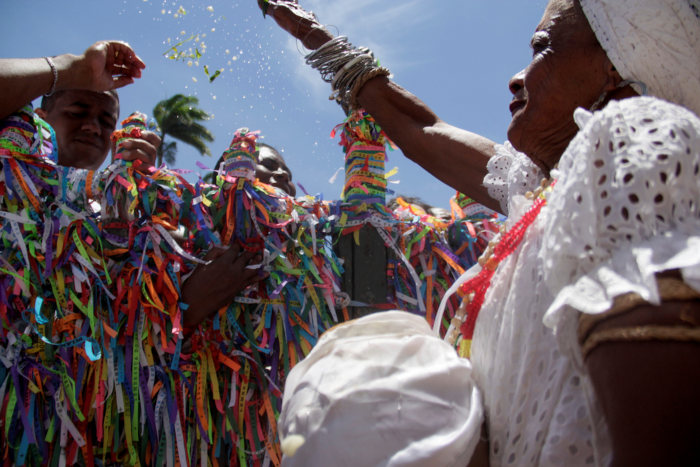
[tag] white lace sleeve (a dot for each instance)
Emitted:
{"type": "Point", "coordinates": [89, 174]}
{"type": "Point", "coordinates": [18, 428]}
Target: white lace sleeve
{"type": "Point", "coordinates": [510, 173]}
{"type": "Point", "coordinates": [624, 208]}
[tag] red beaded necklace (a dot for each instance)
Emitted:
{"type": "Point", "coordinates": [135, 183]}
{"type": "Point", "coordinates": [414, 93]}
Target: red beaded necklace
{"type": "Point", "coordinates": [474, 289]}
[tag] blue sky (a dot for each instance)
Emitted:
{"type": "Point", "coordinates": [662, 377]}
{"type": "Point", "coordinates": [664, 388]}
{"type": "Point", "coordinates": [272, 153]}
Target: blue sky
{"type": "Point", "coordinates": [456, 55]}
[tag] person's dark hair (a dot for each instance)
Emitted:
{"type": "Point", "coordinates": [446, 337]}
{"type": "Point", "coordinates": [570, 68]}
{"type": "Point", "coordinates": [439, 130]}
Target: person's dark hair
{"type": "Point", "coordinates": [47, 102]}
{"type": "Point", "coordinates": [259, 145]}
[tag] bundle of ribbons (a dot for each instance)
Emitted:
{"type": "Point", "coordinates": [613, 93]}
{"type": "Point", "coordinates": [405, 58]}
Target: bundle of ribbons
{"type": "Point", "coordinates": [93, 367]}
{"type": "Point", "coordinates": [428, 253]}
{"type": "Point", "coordinates": [92, 341]}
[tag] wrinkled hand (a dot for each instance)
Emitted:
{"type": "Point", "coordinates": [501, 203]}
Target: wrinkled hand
{"type": "Point", "coordinates": [216, 284]}
{"type": "Point", "coordinates": [144, 149]}
{"type": "Point", "coordinates": [298, 22]}
{"type": "Point", "coordinates": [108, 65]}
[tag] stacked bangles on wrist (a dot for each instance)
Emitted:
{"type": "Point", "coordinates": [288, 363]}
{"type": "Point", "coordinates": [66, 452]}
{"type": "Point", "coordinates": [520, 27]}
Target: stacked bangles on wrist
{"type": "Point", "coordinates": [346, 68]}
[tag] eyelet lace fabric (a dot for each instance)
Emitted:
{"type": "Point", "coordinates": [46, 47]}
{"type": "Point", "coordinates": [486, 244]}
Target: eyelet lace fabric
{"type": "Point", "coordinates": [534, 400]}
{"type": "Point", "coordinates": [510, 173]}
{"type": "Point", "coordinates": [624, 207]}
{"type": "Point", "coordinates": [537, 413]}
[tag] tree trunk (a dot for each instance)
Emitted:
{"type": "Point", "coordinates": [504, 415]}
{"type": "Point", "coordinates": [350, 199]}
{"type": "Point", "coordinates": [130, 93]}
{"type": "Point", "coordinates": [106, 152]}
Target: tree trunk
{"type": "Point", "coordinates": [159, 155]}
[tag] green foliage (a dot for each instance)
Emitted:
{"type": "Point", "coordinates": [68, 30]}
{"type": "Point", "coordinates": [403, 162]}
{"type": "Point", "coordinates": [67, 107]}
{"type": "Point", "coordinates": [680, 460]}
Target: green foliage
{"type": "Point", "coordinates": [177, 53]}
{"type": "Point", "coordinates": [212, 76]}
{"type": "Point", "coordinates": [264, 5]}
{"type": "Point", "coordinates": [181, 118]}
{"type": "Point", "coordinates": [188, 50]}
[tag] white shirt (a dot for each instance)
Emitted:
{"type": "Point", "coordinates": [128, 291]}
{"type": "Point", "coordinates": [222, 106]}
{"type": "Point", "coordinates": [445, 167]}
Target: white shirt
{"type": "Point", "coordinates": [625, 207]}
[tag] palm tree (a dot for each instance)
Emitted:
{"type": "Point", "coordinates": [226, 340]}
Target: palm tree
{"type": "Point", "coordinates": [179, 117]}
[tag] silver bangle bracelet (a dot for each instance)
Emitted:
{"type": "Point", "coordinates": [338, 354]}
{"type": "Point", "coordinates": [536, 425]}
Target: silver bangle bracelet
{"type": "Point", "coordinates": [55, 76]}
{"type": "Point", "coordinates": [346, 68]}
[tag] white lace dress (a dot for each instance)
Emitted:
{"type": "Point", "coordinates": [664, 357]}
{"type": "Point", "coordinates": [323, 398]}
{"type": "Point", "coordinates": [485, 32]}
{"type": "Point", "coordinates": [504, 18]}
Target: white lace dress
{"type": "Point", "coordinates": [625, 207]}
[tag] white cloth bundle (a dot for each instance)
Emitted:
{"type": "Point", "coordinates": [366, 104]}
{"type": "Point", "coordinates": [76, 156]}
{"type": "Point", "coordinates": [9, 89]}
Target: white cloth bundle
{"type": "Point", "coordinates": [380, 390]}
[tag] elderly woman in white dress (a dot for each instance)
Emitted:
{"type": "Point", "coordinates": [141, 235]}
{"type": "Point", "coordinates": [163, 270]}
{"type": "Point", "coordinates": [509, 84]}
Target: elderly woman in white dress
{"type": "Point", "coordinates": [586, 348]}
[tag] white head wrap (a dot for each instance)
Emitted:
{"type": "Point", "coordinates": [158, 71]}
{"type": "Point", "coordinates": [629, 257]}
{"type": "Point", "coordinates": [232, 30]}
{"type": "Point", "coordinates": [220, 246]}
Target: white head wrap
{"type": "Point", "coordinates": [656, 42]}
{"type": "Point", "coordinates": [380, 390]}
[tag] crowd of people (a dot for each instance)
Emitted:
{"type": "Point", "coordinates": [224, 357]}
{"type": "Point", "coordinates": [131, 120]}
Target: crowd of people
{"type": "Point", "coordinates": [575, 334]}
{"type": "Point", "coordinates": [149, 303]}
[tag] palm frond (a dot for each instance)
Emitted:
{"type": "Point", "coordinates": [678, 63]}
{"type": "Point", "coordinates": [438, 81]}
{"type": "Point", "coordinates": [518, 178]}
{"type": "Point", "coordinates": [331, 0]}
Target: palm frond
{"type": "Point", "coordinates": [180, 117]}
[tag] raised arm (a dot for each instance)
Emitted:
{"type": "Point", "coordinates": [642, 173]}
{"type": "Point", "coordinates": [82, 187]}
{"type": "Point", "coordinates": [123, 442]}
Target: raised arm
{"type": "Point", "coordinates": [457, 157]}
{"type": "Point", "coordinates": [104, 66]}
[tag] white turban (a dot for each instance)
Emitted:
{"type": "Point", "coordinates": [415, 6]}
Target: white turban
{"type": "Point", "coordinates": [380, 390]}
{"type": "Point", "coordinates": [656, 42]}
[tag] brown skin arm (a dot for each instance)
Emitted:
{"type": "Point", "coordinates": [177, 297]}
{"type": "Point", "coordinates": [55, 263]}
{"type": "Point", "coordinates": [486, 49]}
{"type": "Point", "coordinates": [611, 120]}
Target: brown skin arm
{"type": "Point", "coordinates": [649, 390]}
{"type": "Point", "coordinates": [455, 156]}
{"type": "Point", "coordinates": [212, 286]}
{"type": "Point", "coordinates": [104, 66]}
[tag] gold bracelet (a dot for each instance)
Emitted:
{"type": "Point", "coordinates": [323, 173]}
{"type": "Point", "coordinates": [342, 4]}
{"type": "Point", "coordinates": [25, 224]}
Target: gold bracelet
{"type": "Point", "coordinates": [670, 289]}
{"type": "Point", "coordinates": [651, 332]}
